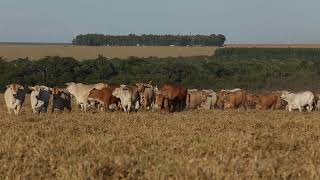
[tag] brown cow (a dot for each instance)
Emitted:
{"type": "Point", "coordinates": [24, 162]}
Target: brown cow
{"type": "Point", "coordinates": [282, 104]}
{"type": "Point", "coordinates": [234, 100]}
{"type": "Point", "coordinates": [251, 100]}
{"type": "Point", "coordinates": [176, 97]}
{"type": "Point", "coordinates": [267, 101]}
{"type": "Point", "coordinates": [104, 96]}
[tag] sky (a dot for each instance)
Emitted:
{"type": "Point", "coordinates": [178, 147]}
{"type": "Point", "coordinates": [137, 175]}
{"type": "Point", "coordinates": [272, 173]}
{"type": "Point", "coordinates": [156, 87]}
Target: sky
{"type": "Point", "coordinates": [242, 21]}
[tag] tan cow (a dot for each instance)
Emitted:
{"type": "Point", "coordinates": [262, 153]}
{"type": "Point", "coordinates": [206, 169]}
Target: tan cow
{"type": "Point", "coordinates": [235, 100]}
{"type": "Point", "coordinates": [147, 95]}
{"type": "Point", "coordinates": [194, 99]}
{"type": "Point", "coordinates": [222, 94]}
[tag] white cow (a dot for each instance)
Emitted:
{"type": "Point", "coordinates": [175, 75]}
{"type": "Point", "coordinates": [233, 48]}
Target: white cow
{"type": "Point", "coordinates": [129, 97]}
{"type": "Point", "coordinates": [125, 95]}
{"type": "Point", "coordinates": [39, 98]}
{"type": "Point", "coordinates": [298, 100]}
{"type": "Point", "coordinates": [14, 97]}
{"type": "Point", "coordinates": [209, 99]}
{"type": "Point", "coordinates": [81, 92]}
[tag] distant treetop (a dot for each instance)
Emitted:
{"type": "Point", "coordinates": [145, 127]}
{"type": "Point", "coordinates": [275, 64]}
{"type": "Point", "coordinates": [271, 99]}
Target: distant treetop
{"type": "Point", "coordinates": [149, 40]}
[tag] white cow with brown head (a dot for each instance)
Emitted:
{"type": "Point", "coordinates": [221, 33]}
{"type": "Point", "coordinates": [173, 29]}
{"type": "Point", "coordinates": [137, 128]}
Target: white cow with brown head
{"type": "Point", "coordinates": [14, 97]}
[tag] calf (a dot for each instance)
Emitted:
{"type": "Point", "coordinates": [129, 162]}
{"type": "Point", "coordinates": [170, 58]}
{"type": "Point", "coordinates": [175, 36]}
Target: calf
{"type": "Point", "coordinates": [104, 96]}
{"type": "Point", "coordinates": [14, 97]}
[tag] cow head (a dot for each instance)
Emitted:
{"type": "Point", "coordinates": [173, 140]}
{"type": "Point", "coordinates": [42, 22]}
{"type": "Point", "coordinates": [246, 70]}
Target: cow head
{"type": "Point", "coordinates": [14, 88]}
{"type": "Point", "coordinates": [252, 99]}
{"type": "Point", "coordinates": [55, 91]}
{"type": "Point", "coordinates": [140, 86]}
{"type": "Point", "coordinates": [161, 102]}
{"type": "Point", "coordinates": [166, 91]}
{"type": "Point", "coordinates": [205, 94]}
{"type": "Point", "coordinates": [118, 92]}
{"type": "Point", "coordinates": [284, 95]}
{"type": "Point", "coordinates": [36, 90]}
{"type": "Point", "coordinates": [221, 98]}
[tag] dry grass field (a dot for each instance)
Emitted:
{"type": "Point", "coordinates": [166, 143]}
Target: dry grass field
{"type": "Point", "coordinates": [11, 52]}
{"type": "Point", "coordinates": [153, 145]}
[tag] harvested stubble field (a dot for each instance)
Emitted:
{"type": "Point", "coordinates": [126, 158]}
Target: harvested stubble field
{"type": "Point", "coordinates": [153, 145]}
{"type": "Point", "coordinates": [15, 51]}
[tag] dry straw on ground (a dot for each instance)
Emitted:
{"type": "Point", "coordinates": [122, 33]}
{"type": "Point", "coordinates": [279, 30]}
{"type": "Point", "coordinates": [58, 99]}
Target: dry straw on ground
{"type": "Point", "coordinates": [152, 145]}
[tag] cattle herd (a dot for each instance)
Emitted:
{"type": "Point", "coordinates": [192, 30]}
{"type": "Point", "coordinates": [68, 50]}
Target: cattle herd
{"type": "Point", "coordinates": [148, 96]}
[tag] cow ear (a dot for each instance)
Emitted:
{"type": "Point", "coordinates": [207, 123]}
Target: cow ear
{"type": "Point", "coordinates": [21, 87]}
{"type": "Point", "coordinates": [8, 86]}
{"type": "Point", "coordinates": [31, 88]}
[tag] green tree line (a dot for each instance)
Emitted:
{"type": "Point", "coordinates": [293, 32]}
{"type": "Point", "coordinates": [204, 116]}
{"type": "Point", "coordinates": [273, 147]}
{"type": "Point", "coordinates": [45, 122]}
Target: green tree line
{"type": "Point", "coordinates": [216, 72]}
{"type": "Point", "coordinates": [149, 40]}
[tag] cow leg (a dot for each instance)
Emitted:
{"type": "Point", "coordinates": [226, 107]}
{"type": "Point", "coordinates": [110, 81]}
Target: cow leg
{"type": "Point", "coordinates": [16, 110]}
{"type": "Point", "coordinates": [300, 109]}
{"type": "Point", "coordinates": [9, 109]}
{"type": "Point", "coordinates": [124, 108]}
{"type": "Point", "coordinates": [310, 107]}
{"type": "Point", "coordinates": [136, 107]}
{"type": "Point", "coordinates": [170, 105]}
{"type": "Point", "coordinates": [68, 107]}
{"type": "Point", "coordinates": [129, 107]}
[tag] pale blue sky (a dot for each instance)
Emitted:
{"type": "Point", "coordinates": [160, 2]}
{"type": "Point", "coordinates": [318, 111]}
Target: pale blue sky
{"type": "Point", "coordinates": [242, 21]}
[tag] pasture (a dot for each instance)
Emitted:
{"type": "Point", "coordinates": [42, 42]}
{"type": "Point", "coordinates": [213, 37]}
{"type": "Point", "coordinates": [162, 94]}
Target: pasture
{"type": "Point", "coordinates": [38, 51]}
{"type": "Point", "coordinates": [201, 144]}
